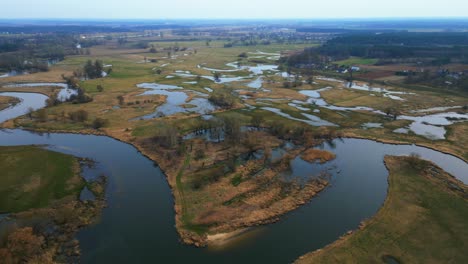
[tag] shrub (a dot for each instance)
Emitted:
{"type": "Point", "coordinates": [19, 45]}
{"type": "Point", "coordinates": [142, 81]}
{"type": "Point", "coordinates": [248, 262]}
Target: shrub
{"type": "Point", "coordinates": [222, 98]}
{"type": "Point", "coordinates": [415, 161]}
{"type": "Point", "coordinates": [42, 115]}
{"type": "Point", "coordinates": [243, 55]}
{"type": "Point", "coordinates": [236, 180]}
{"type": "Point", "coordinates": [166, 136]}
{"type": "Point", "coordinates": [99, 122]}
{"type": "Point", "coordinates": [78, 116]}
{"type": "Point", "coordinates": [199, 154]}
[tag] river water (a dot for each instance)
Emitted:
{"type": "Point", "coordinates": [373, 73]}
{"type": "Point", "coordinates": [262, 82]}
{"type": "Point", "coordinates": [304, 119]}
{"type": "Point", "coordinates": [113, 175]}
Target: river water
{"type": "Point", "coordinates": [27, 102]}
{"type": "Point", "coordinates": [138, 224]}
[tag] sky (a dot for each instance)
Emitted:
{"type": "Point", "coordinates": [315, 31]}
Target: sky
{"type": "Point", "coordinates": [240, 9]}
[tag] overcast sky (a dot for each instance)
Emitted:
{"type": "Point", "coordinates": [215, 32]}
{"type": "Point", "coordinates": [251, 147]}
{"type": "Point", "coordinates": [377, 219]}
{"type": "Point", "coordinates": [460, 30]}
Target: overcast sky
{"type": "Point", "coordinates": [209, 9]}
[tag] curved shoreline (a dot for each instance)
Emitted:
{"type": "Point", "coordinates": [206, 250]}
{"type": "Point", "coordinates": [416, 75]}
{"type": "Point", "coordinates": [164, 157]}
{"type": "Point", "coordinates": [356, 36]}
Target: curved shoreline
{"type": "Point", "coordinates": [186, 236]}
{"type": "Point", "coordinates": [190, 238]}
{"type": "Point", "coordinates": [16, 91]}
{"type": "Point", "coordinates": [372, 220]}
{"type": "Point", "coordinates": [396, 142]}
{"type": "Point", "coordinates": [350, 233]}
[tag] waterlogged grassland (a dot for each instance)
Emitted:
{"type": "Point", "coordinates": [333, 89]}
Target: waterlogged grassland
{"type": "Point", "coordinates": [129, 69]}
{"type": "Point", "coordinates": [423, 220]}
{"type": "Point", "coordinates": [414, 100]}
{"type": "Point", "coordinates": [207, 210]}
{"type": "Point", "coordinates": [33, 177]}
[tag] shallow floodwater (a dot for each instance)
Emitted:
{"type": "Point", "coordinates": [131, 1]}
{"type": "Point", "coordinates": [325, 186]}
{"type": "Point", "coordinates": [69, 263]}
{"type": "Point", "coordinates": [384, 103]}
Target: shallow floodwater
{"type": "Point", "coordinates": [432, 126]}
{"type": "Point", "coordinates": [27, 100]}
{"type": "Point", "coordinates": [258, 70]}
{"type": "Point", "coordinates": [64, 94]}
{"type": "Point", "coordinates": [255, 70]}
{"type": "Point", "coordinates": [32, 100]}
{"type": "Point", "coordinates": [385, 92]}
{"type": "Point", "coordinates": [11, 74]}
{"type": "Point", "coordinates": [175, 100]}
{"type": "Point", "coordinates": [223, 79]}
{"type": "Point", "coordinates": [256, 84]}
{"type": "Point", "coordinates": [138, 224]}
{"type": "Point", "coordinates": [311, 119]}
{"type": "Point", "coordinates": [429, 126]}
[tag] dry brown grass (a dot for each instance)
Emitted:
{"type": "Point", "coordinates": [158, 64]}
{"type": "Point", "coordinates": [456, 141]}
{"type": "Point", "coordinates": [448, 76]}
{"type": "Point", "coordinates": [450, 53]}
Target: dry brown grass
{"type": "Point", "coordinates": [313, 155]}
{"type": "Point", "coordinates": [6, 101]}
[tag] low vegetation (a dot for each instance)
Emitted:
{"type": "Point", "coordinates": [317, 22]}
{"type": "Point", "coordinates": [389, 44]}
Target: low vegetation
{"type": "Point", "coordinates": [313, 155]}
{"type": "Point", "coordinates": [34, 177]}
{"type": "Point", "coordinates": [40, 189]}
{"type": "Point", "coordinates": [6, 102]}
{"type": "Point", "coordinates": [223, 98]}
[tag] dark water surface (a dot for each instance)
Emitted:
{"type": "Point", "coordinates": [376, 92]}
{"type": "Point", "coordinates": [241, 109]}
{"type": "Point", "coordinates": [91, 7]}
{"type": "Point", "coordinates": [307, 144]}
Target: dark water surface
{"type": "Point", "coordinates": [138, 224]}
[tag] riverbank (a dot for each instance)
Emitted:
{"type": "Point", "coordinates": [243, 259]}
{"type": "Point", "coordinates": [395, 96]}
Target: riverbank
{"type": "Point", "coordinates": [280, 198]}
{"type": "Point", "coordinates": [211, 195]}
{"type": "Point", "coordinates": [171, 170]}
{"type": "Point", "coordinates": [436, 147]}
{"type": "Point", "coordinates": [7, 101]}
{"type": "Point", "coordinates": [40, 192]}
{"type": "Point", "coordinates": [423, 219]}
{"type": "Point", "coordinates": [139, 197]}
{"type": "Point", "coordinates": [34, 177]}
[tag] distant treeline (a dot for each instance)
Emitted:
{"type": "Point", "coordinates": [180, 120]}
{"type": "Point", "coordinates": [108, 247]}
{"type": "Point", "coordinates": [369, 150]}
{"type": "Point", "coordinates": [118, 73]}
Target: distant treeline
{"type": "Point", "coordinates": [338, 30]}
{"type": "Point", "coordinates": [437, 48]}
{"type": "Point", "coordinates": [382, 25]}
{"type": "Point", "coordinates": [42, 46]}
{"type": "Point", "coordinates": [403, 38]}
{"type": "Point", "coordinates": [449, 45]}
{"type": "Point", "coordinates": [79, 29]}
{"type": "Point", "coordinates": [33, 53]}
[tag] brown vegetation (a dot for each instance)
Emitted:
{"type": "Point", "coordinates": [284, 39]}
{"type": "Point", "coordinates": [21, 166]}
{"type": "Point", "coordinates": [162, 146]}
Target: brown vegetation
{"type": "Point", "coordinates": [313, 155]}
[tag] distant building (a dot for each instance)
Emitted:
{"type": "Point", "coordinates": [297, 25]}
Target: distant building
{"type": "Point", "coordinates": [355, 68]}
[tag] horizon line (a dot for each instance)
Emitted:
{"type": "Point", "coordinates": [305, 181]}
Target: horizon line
{"type": "Point", "coordinates": [244, 19]}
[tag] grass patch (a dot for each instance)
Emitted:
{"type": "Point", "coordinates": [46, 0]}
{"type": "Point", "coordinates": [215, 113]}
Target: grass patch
{"type": "Point", "coordinates": [236, 180]}
{"type": "Point", "coordinates": [313, 155]}
{"type": "Point", "coordinates": [357, 61]}
{"type": "Point", "coordinates": [33, 177]}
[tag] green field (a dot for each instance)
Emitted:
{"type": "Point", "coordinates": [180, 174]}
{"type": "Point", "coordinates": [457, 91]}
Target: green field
{"type": "Point", "coordinates": [33, 177]}
{"type": "Point", "coordinates": [423, 220]}
{"type": "Point", "coordinates": [357, 61]}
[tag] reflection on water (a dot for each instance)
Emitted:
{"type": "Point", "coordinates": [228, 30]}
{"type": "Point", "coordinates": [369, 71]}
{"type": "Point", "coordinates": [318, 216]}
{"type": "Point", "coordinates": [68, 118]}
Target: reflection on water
{"type": "Point", "coordinates": [138, 224]}
{"type": "Point", "coordinates": [311, 119]}
{"type": "Point", "coordinates": [28, 102]}
{"type": "Point", "coordinates": [175, 101]}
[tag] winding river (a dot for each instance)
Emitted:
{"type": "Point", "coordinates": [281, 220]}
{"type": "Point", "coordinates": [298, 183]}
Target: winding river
{"type": "Point", "coordinates": [138, 225]}
{"type": "Point", "coordinates": [27, 100]}
{"type": "Point", "coordinates": [31, 100]}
